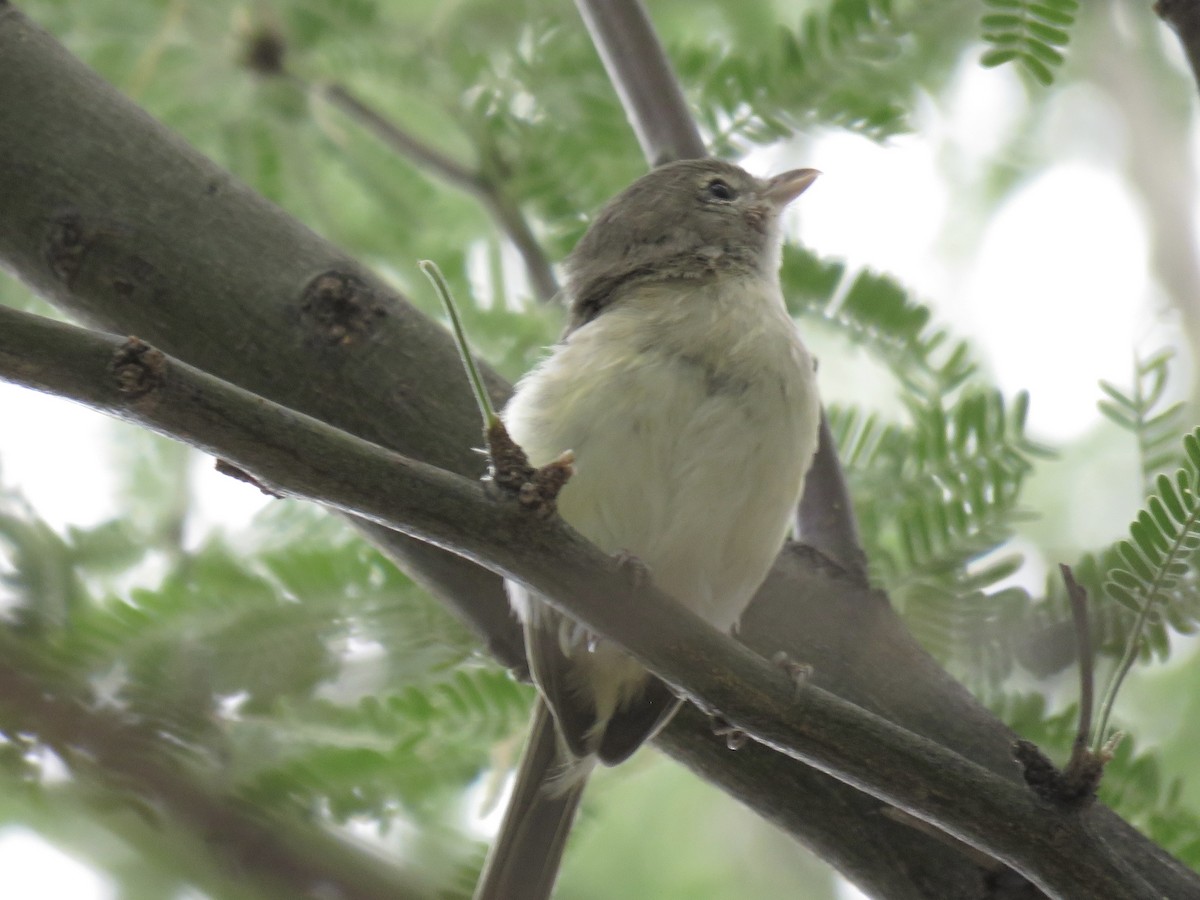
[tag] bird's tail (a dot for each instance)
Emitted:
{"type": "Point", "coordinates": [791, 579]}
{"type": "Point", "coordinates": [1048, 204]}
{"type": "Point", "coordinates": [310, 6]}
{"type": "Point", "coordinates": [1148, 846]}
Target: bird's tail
{"type": "Point", "coordinates": [524, 859]}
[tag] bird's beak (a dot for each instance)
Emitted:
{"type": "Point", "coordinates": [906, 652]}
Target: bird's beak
{"type": "Point", "coordinates": [783, 189]}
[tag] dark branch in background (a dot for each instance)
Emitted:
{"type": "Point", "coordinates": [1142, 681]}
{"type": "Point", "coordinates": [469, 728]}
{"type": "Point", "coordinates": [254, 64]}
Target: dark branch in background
{"type": "Point", "coordinates": [266, 55]}
{"type": "Point", "coordinates": [642, 75]}
{"type": "Point", "coordinates": [288, 858]}
{"type": "Point", "coordinates": [1184, 18]}
{"type": "Point", "coordinates": [208, 270]}
{"type": "Point", "coordinates": [1158, 159]}
{"type": "Point", "coordinates": [645, 82]}
{"type": "Point", "coordinates": [133, 381]}
{"type": "Point", "coordinates": [491, 195]}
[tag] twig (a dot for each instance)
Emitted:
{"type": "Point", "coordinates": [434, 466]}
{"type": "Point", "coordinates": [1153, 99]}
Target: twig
{"type": "Point", "coordinates": [503, 210]}
{"type": "Point", "coordinates": [486, 411]}
{"type": "Point", "coordinates": [508, 466]}
{"type": "Point", "coordinates": [1087, 662]}
{"type": "Point", "coordinates": [1075, 786]}
{"type": "Point", "coordinates": [399, 140]}
{"type": "Point", "coordinates": [266, 54]}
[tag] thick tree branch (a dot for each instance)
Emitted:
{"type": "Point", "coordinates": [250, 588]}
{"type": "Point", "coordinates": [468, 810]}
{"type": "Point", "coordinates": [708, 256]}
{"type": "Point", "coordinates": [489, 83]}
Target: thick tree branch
{"type": "Point", "coordinates": [639, 69]}
{"type": "Point", "coordinates": [118, 221]}
{"type": "Point", "coordinates": [287, 858]}
{"type": "Point", "coordinates": [302, 457]}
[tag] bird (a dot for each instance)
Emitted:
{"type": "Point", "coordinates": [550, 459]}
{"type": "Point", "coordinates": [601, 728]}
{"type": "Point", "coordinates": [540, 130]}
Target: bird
{"type": "Point", "coordinates": [689, 402]}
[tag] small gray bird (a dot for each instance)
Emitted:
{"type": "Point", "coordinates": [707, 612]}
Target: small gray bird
{"type": "Point", "coordinates": [691, 407]}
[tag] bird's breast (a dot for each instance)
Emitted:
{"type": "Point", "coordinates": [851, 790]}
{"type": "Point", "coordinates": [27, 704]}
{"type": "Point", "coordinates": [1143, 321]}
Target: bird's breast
{"type": "Point", "coordinates": [692, 422]}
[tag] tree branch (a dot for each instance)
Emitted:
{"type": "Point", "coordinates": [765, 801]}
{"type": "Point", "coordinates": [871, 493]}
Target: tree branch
{"type": "Point", "coordinates": [196, 262]}
{"type": "Point", "coordinates": [642, 75]}
{"type": "Point", "coordinates": [291, 859]}
{"type": "Point", "coordinates": [1158, 159]}
{"type": "Point", "coordinates": [266, 55]}
{"type": "Point", "coordinates": [178, 257]}
{"type": "Point", "coordinates": [301, 457]}
{"type": "Point", "coordinates": [506, 213]}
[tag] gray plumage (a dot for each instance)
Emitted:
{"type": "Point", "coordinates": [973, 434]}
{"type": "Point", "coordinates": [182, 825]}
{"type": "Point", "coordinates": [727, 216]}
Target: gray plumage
{"type": "Point", "coordinates": [690, 404]}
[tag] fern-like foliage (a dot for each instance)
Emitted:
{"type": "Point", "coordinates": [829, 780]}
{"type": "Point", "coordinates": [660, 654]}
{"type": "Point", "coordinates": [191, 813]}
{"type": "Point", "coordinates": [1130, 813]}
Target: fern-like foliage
{"type": "Point", "coordinates": [939, 491]}
{"type": "Point", "coordinates": [854, 64]}
{"type": "Point", "coordinates": [1144, 413]}
{"type": "Point", "coordinates": [1031, 33]}
{"type": "Point", "coordinates": [876, 312]}
{"type": "Point", "coordinates": [389, 752]}
{"type": "Point", "coordinates": [1156, 424]}
{"type": "Point", "coordinates": [935, 497]}
{"type": "Point", "coordinates": [1155, 578]}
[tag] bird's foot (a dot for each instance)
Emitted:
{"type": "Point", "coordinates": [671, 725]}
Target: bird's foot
{"type": "Point", "coordinates": [798, 672]}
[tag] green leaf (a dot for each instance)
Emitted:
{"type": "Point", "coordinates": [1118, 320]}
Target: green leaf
{"type": "Point", "coordinates": [1047, 33]}
{"type": "Point", "coordinates": [1001, 21]}
{"type": "Point", "coordinates": [1052, 14]}
{"type": "Point", "coordinates": [1134, 560]}
{"type": "Point", "coordinates": [997, 57]}
{"type": "Point", "coordinates": [1123, 596]}
{"type": "Point", "coordinates": [1038, 69]}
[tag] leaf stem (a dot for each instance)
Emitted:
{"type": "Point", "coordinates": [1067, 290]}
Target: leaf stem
{"type": "Point", "coordinates": [438, 280]}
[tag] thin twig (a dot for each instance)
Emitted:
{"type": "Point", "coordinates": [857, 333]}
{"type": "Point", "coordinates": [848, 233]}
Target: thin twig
{"type": "Point", "coordinates": [399, 140]}
{"type": "Point", "coordinates": [482, 400]}
{"type": "Point", "coordinates": [537, 489]}
{"type": "Point", "coordinates": [1083, 637]}
{"type": "Point", "coordinates": [502, 209]}
{"type": "Point", "coordinates": [1075, 786]}
{"type": "Point", "coordinates": [266, 54]}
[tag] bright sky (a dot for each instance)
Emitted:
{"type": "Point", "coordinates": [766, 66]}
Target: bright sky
{"type": "Point", "coordinates": [882, 207]}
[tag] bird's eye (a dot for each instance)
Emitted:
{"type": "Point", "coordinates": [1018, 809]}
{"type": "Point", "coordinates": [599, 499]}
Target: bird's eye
{"type": "Point", "coordinates": [720, 190]}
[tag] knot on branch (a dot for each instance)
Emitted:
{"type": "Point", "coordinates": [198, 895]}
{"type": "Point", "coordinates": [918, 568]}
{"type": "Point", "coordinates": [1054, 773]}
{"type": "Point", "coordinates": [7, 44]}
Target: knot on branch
{"type": "Point", "coordinates": [265, 51]}
{"type": "Point", "coordinates": [340, 309]}
{"type": "Point", "coordinates": [67, 244]}
{"type": "Point", "coordinates": [536, 489]}
{"type": "Point", "coordinates": [137, 368]}
{"type": "Point", "coordinates": [1071, 788]}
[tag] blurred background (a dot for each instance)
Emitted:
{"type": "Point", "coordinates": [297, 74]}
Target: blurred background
{"type": "Point", "coordinates": [1012, 246]}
